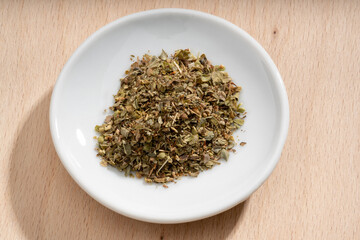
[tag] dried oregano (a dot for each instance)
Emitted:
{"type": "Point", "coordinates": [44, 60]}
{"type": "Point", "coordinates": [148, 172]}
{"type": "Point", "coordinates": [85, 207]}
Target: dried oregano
{"type": "Point", "coordinates": [172, 116]}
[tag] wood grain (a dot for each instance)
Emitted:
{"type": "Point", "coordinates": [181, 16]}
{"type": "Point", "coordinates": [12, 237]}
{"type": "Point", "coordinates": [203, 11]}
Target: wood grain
{"type": "Point", "coordinates": [314, 192]}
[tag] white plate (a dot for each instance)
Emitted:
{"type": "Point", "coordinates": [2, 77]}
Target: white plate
{"type": "Point", "coordinates": [91, 76]}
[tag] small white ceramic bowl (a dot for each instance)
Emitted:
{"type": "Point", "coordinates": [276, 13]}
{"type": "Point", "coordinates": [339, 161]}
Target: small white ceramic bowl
{"type": "Point", "coordinates": [91, 76]}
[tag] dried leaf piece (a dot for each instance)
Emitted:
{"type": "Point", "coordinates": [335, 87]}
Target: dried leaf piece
{"type": "Point", "coordinates": [161, 155]}
{"type": "Point", "coordinates": [160, 120]}
{"type": "Point", "coordinates": [206, 158]}
{"type": "Point", "coordinates": [239, 121]}
{"type": "Point", "coordinates": [225, 154]}
{"type": "Point", "coordinates": [127, 148]}
{"type": "Point", "coordinates": [101, 139]}
{"type": "Point", "coordinates": [209, 135]}
{"type": "Point", "coordinates": [125, 132]}
{"type": "Point", "coordinates": [163, 56]}
{"type": "Point", "coordinates": [108, 118]}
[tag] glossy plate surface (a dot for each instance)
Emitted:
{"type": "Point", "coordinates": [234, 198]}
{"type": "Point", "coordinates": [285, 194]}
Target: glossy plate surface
{"type": "Point", "coordinates": [91, 76]}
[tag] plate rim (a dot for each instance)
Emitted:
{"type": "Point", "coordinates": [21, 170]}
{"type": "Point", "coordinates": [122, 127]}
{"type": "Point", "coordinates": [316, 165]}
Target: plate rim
{"type": "Point", "coordinates": [278, 83]}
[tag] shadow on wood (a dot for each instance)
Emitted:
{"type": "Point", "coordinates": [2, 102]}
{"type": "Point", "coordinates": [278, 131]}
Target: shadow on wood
{"type": "Point", "coordinates": [48, 203]}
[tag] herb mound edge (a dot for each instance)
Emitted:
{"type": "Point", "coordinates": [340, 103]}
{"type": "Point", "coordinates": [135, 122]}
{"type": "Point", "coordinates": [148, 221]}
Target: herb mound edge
{"type": "Point", "coordinates": [173, 116]}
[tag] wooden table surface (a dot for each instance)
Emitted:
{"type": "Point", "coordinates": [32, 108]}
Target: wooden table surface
{"type": "Point", "coordinates": [314, 192]}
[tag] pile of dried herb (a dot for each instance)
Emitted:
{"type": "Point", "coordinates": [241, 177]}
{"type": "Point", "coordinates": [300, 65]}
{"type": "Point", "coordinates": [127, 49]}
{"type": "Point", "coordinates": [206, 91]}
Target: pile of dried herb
{"type": "Point", "coordinates": [172, 116]}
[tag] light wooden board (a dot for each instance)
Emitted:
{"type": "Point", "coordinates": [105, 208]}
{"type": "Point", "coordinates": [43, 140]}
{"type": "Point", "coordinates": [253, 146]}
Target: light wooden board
{"type": "Point", "coordinates": [314, 192]}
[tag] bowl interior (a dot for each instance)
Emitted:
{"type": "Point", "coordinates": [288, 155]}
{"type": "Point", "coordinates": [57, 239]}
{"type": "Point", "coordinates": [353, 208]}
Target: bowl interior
{"type": "Point", "coordinates": [91, 77]}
